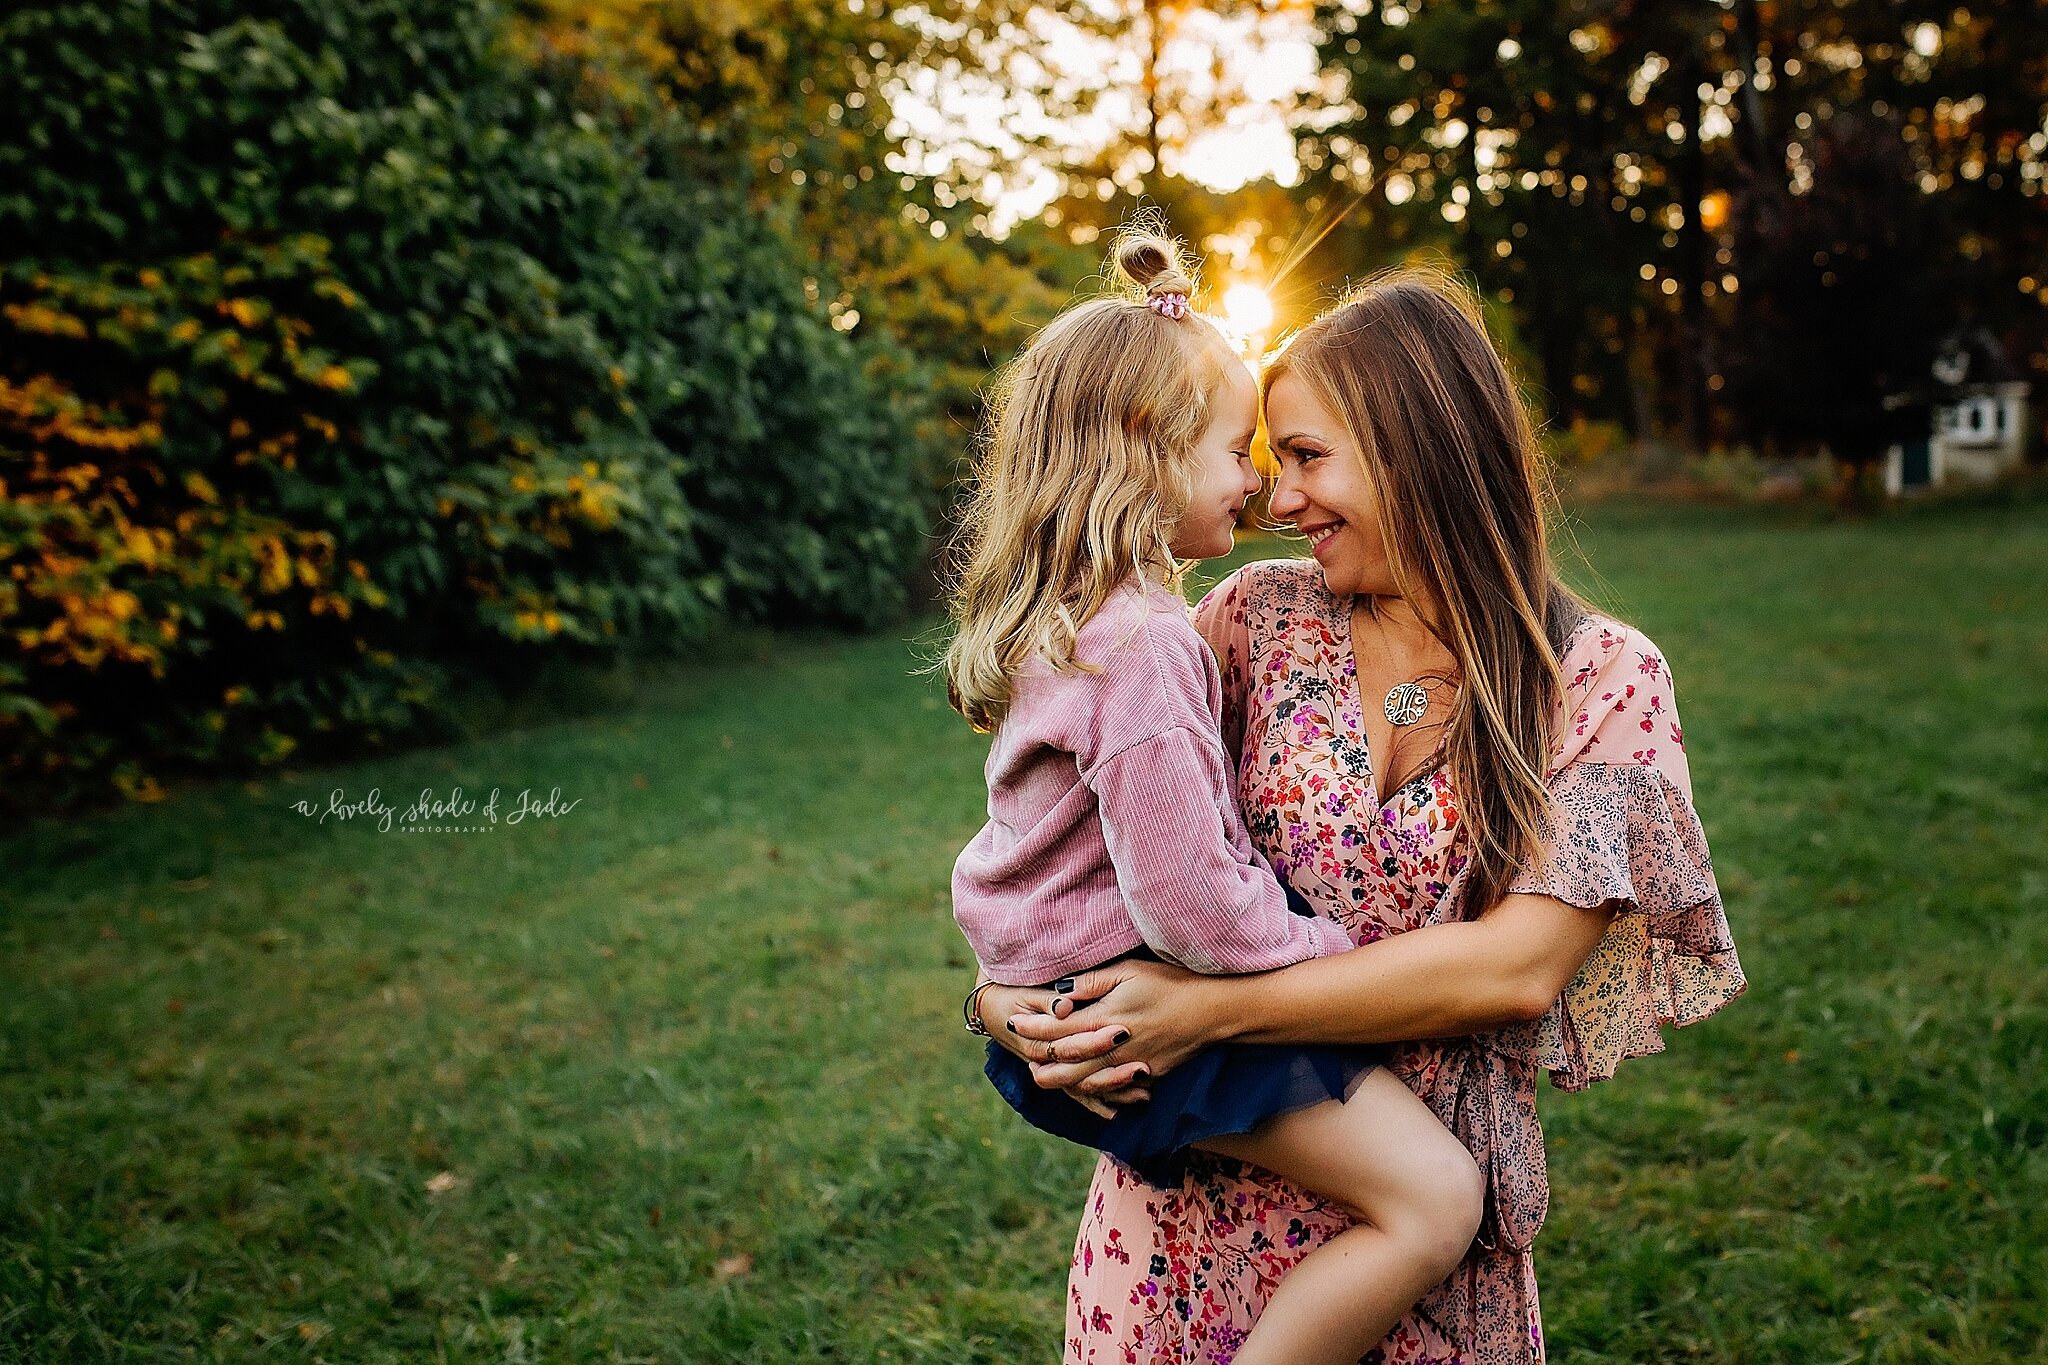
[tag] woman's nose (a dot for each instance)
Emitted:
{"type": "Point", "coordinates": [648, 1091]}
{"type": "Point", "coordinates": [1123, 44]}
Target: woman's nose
{"type": "Point", "coordinates": [1288, 499]}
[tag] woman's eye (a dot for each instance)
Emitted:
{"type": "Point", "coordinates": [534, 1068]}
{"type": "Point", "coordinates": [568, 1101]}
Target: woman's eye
{"type": "Point", "coordinates": [1306, 455]}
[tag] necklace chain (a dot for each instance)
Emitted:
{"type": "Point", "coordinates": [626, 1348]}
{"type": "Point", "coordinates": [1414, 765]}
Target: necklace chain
{"type": "Point", "coordinates": [1406, 703]}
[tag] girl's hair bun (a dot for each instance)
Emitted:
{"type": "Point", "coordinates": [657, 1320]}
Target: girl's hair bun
{"type": "Point", "coordinates": [1152, 261]}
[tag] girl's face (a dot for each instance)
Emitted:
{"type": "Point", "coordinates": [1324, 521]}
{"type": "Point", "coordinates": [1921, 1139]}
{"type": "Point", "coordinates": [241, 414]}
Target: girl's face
{"type": "Point", "coordinates": [1323, 490]}
{"type": "Point", "coordinates": [1224, 477]}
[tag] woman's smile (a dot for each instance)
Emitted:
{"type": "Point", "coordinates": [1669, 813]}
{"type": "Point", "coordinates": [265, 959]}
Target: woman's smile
{"type": "Point", "coordinates": [1318, 533]}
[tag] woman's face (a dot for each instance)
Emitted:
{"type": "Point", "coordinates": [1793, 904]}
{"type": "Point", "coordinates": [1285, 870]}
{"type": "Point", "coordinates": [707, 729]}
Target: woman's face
{"type": "Point", "coordinates": [1224, 477]}
{"type": "Point", "coordinates": [1324, 492]}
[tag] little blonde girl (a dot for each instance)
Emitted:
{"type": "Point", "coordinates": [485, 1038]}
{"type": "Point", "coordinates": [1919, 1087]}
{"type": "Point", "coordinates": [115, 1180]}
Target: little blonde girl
{"type": "Point", "coordinates": [1121, 445]}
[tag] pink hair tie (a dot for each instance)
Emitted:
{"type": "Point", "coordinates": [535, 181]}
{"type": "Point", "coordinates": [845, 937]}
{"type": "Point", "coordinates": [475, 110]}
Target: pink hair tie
{"type": "Point", "coordinates": [1170, 304]}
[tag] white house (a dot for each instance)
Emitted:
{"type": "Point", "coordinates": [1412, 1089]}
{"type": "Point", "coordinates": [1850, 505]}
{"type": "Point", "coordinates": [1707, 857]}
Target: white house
{"type": "Point", "coordinates": [1979, 427]}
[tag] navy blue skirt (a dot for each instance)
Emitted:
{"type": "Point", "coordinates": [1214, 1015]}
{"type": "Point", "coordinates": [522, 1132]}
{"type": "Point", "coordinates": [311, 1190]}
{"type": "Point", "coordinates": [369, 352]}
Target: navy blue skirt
{"type": "Point", "coordinates": [1230, 1088]}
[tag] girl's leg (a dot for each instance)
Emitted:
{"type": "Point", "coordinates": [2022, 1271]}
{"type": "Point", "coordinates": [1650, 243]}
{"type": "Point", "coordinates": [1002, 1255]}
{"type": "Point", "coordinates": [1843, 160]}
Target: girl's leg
{"type": "Point", "coordinates": [1416, 1191]}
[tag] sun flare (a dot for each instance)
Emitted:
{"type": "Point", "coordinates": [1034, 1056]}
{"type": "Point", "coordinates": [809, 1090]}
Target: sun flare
{"type": "Point", "coordinates": [1248, 309]}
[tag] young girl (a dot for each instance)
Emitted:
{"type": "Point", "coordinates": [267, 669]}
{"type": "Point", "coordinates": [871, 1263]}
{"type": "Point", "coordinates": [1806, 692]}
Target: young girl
{"type": "Point", "coordinates": [1121, 446]}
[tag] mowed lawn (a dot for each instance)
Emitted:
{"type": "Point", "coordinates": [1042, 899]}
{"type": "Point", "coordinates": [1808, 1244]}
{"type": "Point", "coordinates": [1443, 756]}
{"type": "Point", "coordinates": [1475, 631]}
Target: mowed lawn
{"type": "Point", "coordinates": [679, 1075]}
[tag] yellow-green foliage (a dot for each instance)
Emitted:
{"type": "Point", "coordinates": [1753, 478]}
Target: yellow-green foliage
{"type": "Point", "coordinates": [346, 348]}
{"type": "Point", "coordinates": [141, 533]}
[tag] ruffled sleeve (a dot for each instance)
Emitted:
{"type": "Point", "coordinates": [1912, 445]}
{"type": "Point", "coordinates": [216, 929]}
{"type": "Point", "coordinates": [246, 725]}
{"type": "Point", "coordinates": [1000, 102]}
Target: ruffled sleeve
{"type": "Point", "coordinates": [1220, 618]}
{"type": "Point", "coordinates": [1623, 829]}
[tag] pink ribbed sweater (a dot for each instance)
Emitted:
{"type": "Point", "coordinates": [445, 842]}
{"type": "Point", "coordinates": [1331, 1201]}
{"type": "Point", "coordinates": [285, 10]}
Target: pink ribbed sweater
{"type": "Point", "coordinates": [1113, 818]}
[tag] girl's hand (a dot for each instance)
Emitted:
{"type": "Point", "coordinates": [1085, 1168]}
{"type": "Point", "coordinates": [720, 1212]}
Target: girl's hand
{"type": "Point", "coordinates": [1137, 1019]}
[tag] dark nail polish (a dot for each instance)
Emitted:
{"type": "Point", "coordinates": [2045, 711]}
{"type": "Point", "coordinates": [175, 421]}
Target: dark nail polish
{"type": "Point", "coordinates": [1144, 1074]}
{"type": "Point", "coordinates": [1065, 985]}
{"type": "Point", "coordinates": [1123, 1035]}
{"type": "Point", "coordinates": [1010, 1024]}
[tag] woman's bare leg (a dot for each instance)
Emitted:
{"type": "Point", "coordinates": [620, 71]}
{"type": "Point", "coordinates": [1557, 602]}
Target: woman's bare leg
{"type": "Point", "coordinates": [1384, 1156]}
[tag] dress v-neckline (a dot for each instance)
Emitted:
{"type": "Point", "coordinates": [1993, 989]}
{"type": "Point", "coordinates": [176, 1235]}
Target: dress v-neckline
{"type": "Point", "coordinates": [1347, 668]}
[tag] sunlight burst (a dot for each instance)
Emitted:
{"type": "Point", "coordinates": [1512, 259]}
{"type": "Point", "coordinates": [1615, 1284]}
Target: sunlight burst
{"type": "Point", "coordinates": [1248, 309]}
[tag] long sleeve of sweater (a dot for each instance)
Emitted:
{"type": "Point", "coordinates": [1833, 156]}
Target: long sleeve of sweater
{"type": "Point", "coordinates": [1113, 818]}
{"type": "Point", "coordinates": [1191, 893]}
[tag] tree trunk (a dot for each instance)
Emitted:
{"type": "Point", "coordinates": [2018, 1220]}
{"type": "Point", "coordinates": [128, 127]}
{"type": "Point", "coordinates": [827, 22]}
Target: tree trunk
{"type": "Point", "coordinates": [1641, 374]}
{"type": "Point", "coordinates": [1155, 39]}
{"type": "Point", "coordinates": [1756, 139]}
{"type": "Point", "coordinates": [1692, 264]}
{"type": "Point", "coordinates": [1559, 357]}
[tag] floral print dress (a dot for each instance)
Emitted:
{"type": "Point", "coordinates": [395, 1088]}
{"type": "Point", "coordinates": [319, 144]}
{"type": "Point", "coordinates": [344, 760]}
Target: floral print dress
{"type": "Point", "coordinates": [1180, 1274]}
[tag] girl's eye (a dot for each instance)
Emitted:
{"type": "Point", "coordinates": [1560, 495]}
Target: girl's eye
{"type": "Point", "coordinates": [1308, 454]}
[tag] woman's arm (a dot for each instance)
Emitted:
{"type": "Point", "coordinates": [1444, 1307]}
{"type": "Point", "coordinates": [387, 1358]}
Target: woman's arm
{"type": "Point", "coordinates": [1440, 981]}
{"type": "Point", "coordinates": [1504, 968]}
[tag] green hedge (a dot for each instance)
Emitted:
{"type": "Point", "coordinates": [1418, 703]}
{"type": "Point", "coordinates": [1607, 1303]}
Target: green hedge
{"type": "Point", "coordinates": [346, 348]}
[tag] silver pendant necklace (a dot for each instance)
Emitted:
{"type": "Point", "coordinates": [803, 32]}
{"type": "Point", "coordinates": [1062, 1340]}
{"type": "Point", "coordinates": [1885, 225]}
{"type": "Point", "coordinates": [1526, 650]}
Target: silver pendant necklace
{"type": "Point", "coordinates": [1406, 702]}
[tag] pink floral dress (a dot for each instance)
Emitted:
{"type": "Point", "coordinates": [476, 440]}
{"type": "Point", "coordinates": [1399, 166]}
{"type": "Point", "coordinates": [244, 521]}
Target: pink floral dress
{"type": "Point", "coordinates": [1180, 1274]}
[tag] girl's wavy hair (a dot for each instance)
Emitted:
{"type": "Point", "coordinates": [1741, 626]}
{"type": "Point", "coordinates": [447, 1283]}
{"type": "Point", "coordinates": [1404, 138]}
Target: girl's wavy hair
{"type": "Point", "coordinates": [1405, 363]}
{"type": "Point", "coordinates": [1085, 469]}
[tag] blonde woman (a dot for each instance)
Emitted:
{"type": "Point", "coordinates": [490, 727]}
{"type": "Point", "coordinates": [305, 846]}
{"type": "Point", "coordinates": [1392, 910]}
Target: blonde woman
{"type": "Point", "coordinates": [1481, 779]}
{"type": "Point", "coordinates": [1121, 447]}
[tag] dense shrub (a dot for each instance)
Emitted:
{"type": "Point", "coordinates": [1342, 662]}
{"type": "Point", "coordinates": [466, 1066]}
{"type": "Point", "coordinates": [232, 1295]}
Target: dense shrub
{"type": "Point", "coordinates": [162, 597]}
{"type": "Point", "coordinates": [345, 347]}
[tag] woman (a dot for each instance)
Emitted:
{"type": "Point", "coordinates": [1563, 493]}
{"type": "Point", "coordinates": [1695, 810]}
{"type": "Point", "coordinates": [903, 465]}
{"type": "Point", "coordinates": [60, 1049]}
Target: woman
{"type": "Point", "coordinates": [1450, 755]}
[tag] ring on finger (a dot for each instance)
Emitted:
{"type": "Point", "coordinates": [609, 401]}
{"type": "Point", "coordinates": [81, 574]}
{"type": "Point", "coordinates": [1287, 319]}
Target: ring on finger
{"type": "Point", "coordinates": [1052, 1054]}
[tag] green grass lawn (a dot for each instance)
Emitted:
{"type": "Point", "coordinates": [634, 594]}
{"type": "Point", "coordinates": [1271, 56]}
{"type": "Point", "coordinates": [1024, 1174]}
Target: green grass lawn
{"type": "Point", "coordinates": [679, 1075]}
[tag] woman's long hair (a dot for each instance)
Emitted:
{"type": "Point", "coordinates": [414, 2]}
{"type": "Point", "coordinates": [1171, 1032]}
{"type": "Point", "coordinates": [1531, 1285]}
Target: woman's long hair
{"type": "Point", "coordinates": [1086, 469]}
{"type": "Point", "coordinates": [1404, 361]}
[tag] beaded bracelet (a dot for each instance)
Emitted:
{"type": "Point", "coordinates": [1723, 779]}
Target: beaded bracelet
{"type": "Point", "coordinates": [970, 1010]}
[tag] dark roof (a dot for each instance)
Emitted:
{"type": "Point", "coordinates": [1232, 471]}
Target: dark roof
{"type": "Point", "coordinates": [1972, 355]}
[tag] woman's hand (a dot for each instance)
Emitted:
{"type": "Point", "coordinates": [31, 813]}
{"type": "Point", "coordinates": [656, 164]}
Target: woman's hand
{"type": "Point", "coordinates": [1003, 1008]}
{"type": "Point", "coordinates": [1135, 1019]}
